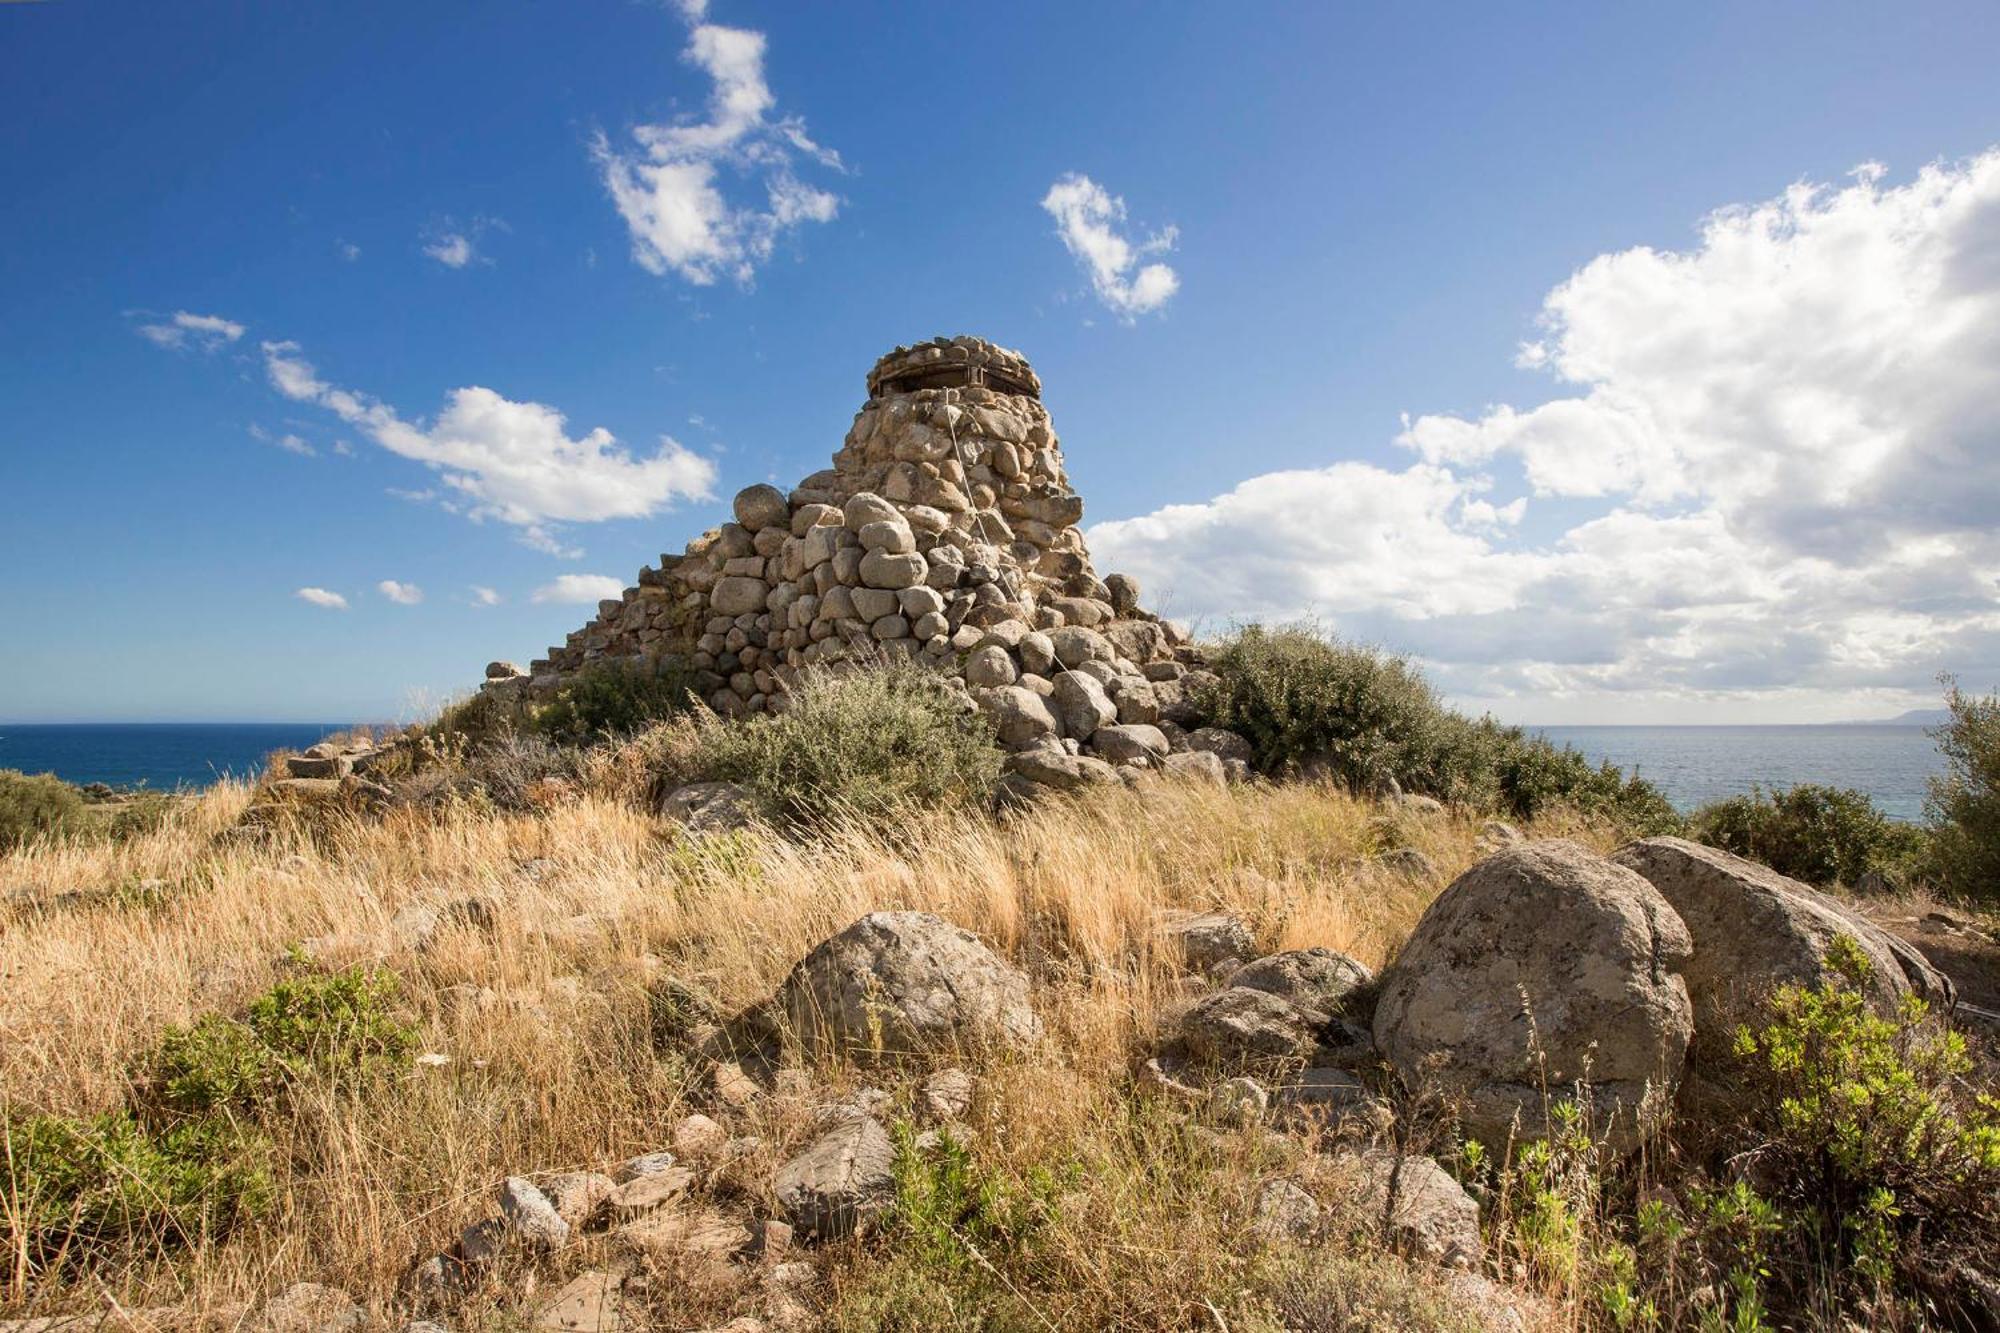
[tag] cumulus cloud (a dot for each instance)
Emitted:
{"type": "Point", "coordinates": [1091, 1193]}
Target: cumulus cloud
{"type": "Point", "coordinates": [709, 198]}
{"type": "Point", "coordinates": [332, 601]}
{"type": "Point", "coordinates": [1774, 478]}
{"type": "Point", "coordinates": [402, 594]}
{"type": "Point", "coordinates": [589, 589]}
{"type": "Point", "coordinates": [203, 333]}
{"type": "Point", "coordinates": [1090, 220]}
{"type": "Point", "coordinates": [510, 461]}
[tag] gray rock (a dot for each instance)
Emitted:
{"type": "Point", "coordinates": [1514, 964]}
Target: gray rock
{"type": "Point", "coordinates": [1074, 645]}
{"type": "Point", "coordinates": [867, 507]}
{"type": "Point", "coordinates": [738, 595]}
{"type": "Point", "coordinates": [1753, 930]}
{"type": "Point", "coordinates": [1196, 766]}
{"type": "Point", "coordinates": [846, 1176]}
{"type": "Point", "coordinates": [880, 569]}
{"type": "Point", "coordinates": [1284, 1211]}
{"type": "Point", "coordinates": [1538, 967]}
{"type": "Point", "coordinates": [710, 807]}
{"type": "Point", "coordinates": [1208, 941]}
{"type": "Point", "coordinates": [990, 667]}
{"type": "Point", "coordinates": [1020, 716]}
{"type": "Point", "coordinates": [889, 535]}
{"type": "Point", "coordinates": [947, 1094]}
{"type": "Point", "coordinates": [1129, 743]}
{"type": "Point", "coordinates": [1316, 980]}
{"type": "Point", "coordinates": [1428, 1214]}
{"type": "Point", "coordinates": [1080, 705]}
{"type": "Point", "coordinates": [307, 1307]}
{"type": "Point", "coordinates": [531, 1218]}
{"type": "Point", "coordinates": [1059, 771]}
{"type": "Point", "coordinates": [895, 984]}
{"type": "Point", "coordinates": [1124, 590]}
{"type": "Point", "coordinates": [1223, 744]}
{"type": "Point", "coordinates": [1238, 1024]}
{"type": "Point", "coordinates": [578, 1196]}
{"type": "Point", "coordinates": [759, 507]}
{"type": "Point", "coordinates": [1038, 653]}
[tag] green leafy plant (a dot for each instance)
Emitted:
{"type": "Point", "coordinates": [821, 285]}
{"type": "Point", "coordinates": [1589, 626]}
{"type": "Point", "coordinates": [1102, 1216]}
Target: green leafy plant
{"type": "Point", "coordinates": [338, 1024]}
{"type": "Point", "coordinates": [1822, 835]}
{"type": "Point", "coordinates": [613, 700]}
{"type": "Point", "coordinates": [69, 1187]}
{"type": "Point", "coordinates": [867, 744]}
{"type": "Point", "coordinates": [1870, 1123]}
{"type": "Point", "coordinates": [1964, 802]}
{"type": "Point", "coordinates": [39, 805]}
{"type": "Point", "coordinates": [190, 1156]}
{"type": "Point", "coordinates": [1311, 704]}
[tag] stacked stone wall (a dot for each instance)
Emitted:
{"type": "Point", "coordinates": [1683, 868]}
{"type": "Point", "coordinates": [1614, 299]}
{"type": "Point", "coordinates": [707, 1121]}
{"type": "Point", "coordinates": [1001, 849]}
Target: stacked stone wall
{"type": "Point", "coordinates": [946, 531]}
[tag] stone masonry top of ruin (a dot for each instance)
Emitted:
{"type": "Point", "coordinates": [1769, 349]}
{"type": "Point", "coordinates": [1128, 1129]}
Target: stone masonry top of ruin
{"type": "Point", "coordinates": [945, 531]}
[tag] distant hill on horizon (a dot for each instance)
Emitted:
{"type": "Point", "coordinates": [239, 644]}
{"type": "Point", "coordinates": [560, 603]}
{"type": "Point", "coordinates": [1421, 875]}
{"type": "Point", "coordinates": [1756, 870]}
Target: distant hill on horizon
{"type": "Point", "coordinates": [1916, 717]}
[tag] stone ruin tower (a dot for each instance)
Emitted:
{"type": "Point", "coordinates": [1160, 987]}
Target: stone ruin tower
{"type": "Point", "coordinates": [945, 531]}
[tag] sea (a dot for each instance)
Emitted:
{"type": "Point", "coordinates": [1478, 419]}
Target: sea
{"type": "Point", "coordinates": [165, 756]}
{"type": "Point", "coordinates": [1691, 765]}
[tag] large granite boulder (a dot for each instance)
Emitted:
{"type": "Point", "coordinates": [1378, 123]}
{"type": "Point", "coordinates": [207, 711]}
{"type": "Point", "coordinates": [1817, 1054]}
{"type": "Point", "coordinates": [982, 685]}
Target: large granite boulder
{"type": "Point", "coordinates": [1540, 967]}
{"type": "Point", "coordinates": [1754, 930]}
{"type": "Point", "coordinates": [897, 984]}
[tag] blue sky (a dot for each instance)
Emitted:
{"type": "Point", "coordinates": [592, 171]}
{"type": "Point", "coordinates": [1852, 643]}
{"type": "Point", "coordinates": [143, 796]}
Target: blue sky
{"type": "Point", "coordinates": [254, 254]}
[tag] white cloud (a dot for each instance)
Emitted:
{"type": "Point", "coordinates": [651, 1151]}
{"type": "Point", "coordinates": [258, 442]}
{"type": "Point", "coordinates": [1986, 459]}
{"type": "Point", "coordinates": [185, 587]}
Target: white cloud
{"type": "Point", "coordinates": [347, 250]}
{"type": "Point", "coordinates": [674, 191]}
{"type": "Point", "coordinates": [458, 247]}
{"type": "Point", "coordinates": [482, 596]}
{"type": "Point", "coordinates": [402, 594]}
{"type": "Point", "coordinates": [332, 601]}
{"type": "Point", "coordinates": [511, 461]}
{"type": "Point", "coordinates": [452, 249]}
{"type": "Point", "coordinates": [1089, 219]}
{"type": "Point", "coordinates": [581, 588]}
{"type": "Point", "coordinates": [202, 332]}
{"type": "Point", "coordinates": [1774, 487]}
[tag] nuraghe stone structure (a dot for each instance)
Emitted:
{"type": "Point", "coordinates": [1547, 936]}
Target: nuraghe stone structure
{"type": "Point", "coordinates": [945, 531]}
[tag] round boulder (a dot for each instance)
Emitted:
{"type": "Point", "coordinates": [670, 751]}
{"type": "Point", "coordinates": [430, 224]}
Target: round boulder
{"type": "Point", "coordinates": [759, 507]}
{"type": "Point", "coordinates": [898, 984]}
{"type": "Point", "coordinates": [1754, 930]}
{"type": "Point", "coordinates": [1540, 967]}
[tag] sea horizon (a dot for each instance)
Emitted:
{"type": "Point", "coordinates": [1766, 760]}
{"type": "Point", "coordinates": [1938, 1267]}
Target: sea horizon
{"type": "Point", "coordinates": [1692, 763]}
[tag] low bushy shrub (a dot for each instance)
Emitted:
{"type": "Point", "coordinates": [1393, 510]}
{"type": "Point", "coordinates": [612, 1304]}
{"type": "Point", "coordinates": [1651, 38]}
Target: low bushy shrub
{"type": "Point", "coordinates": [38, 805]}
{"type": "Point", "coordinates": [866, 744]}
{"type": "Point", "coordinates": [339, 1024]}
{"type": "Point", "coordinates": [190, 1156]}
{"type": "Point", "coordinates": [1822, 835]}
{"type": "Point", "coordinates": [73, 1186]}
{"type": "Point", "coordinates": [1366, 718]}
{"type": "Point", "coordinates": [1964, 802]}
{"type": "Point", "coordinates": [1886, 1160]}
{"type": "Point", "coordinates": [612, 700]}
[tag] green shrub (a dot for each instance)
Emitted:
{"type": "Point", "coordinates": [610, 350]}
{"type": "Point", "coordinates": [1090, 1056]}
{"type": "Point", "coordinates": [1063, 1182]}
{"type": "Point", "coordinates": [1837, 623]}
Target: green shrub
{"type": "Point", "coordinates": [1964, 804]}
{"type": "Point", "coordinates": [867, 744]}
{"type": "Point", "coordinates": [189, 1156]}
{"type": "Point", "coordinates": [1887, 1158]}
{"type": "Point", "coordinates": [36, 806]}
{"type": "Point", "coordinates": [613, 700]}
{"type": "Point", "coordinates": [1822, 835]}
{"type": "Point", "coordinates": [1307, 703]}
{"type": "Point", "coordinates": [72, 1187]}
{"type": "Point", "coordinates": [338, 1024]}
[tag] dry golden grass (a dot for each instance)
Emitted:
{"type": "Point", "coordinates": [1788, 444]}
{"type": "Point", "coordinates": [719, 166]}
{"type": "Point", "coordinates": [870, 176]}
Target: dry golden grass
{"type": "Point", "coordinates": [544, 1019]}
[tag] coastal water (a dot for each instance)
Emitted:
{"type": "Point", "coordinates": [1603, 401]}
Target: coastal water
{"type": "Point", "coordinates": [160, 755]}
{"type": "Point", "coordinates": [1691, 764]}
{"type": "Point", "coordinates": [1697, 764]}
